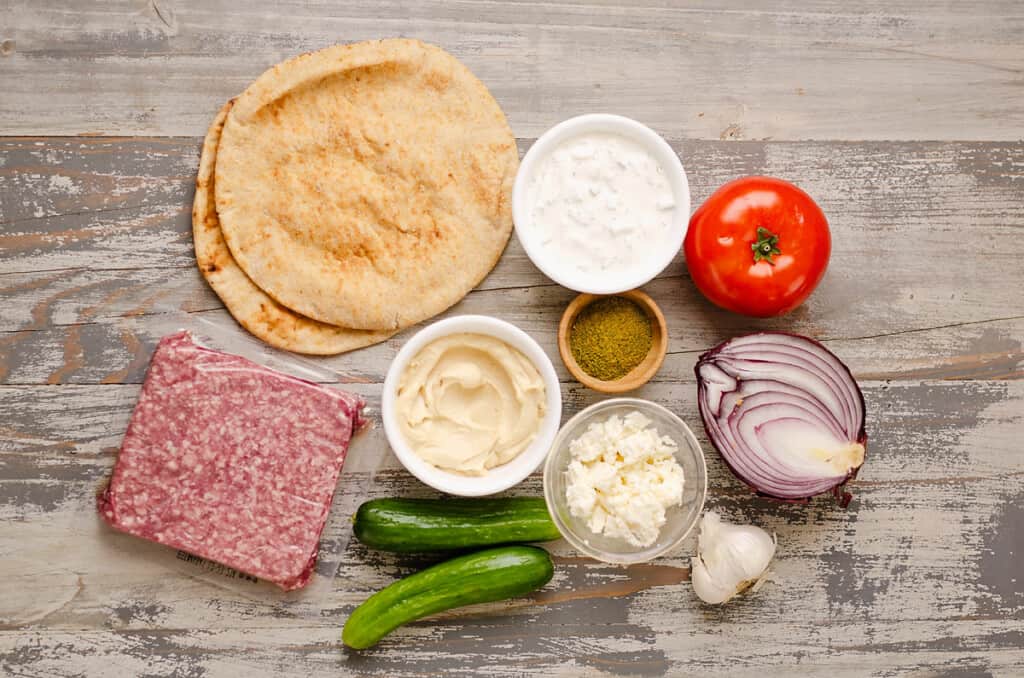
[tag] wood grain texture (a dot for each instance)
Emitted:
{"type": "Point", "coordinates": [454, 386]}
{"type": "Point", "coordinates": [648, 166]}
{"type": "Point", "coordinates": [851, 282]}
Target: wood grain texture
{"type": "Point", "coordinates": [913, 576]}
{"type": "Point", "coordinates": [711, 70]}
{"type": "Point", "coordinates": [902, 118]}
{"type": "Point", "coordinates": [925, 236]}
{"type": "Point", "coordinates": [909, 577]}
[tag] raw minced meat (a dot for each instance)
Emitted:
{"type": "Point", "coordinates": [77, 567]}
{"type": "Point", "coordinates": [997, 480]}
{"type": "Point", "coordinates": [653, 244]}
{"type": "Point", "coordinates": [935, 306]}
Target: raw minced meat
{"type": "Point", "coordinates": [231, 461]}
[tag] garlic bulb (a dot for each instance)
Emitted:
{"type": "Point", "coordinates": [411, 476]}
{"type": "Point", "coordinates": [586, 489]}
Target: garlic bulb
{"type": "Point", "coordinates": [730, 558]}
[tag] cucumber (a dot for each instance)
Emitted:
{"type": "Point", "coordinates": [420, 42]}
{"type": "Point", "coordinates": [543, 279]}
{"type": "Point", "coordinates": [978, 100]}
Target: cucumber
{"type": "Point", "coordinates": [481, 577]}
{"type": "Point", "coordinates": [410, 525]}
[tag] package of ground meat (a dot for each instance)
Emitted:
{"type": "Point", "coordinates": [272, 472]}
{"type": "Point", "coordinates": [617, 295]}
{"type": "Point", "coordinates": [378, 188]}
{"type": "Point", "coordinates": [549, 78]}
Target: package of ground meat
{"type": "Point", "coordinates": [232, 464]}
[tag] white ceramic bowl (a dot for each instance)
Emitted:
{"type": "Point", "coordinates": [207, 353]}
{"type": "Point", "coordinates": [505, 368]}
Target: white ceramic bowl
{"type": "Point", "coordinates": [500, 477]}
{"type": "Point", "coordinates": [664, 252]}
{"type": "Point", "coordinates": [680, 520]}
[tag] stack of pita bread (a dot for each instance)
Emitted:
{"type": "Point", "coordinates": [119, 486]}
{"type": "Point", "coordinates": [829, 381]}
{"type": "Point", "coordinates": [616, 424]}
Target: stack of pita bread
{"type": "Point", "coordinates": [352, 192]}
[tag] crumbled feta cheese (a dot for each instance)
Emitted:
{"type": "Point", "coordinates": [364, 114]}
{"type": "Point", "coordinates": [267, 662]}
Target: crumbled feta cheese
{"type": "Point", "coordinates": [622, 477]}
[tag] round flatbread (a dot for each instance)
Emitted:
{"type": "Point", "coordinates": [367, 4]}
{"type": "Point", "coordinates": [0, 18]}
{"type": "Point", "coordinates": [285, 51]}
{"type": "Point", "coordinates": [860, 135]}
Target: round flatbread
{"type": "Point", "coordinates": [367, 185]}
{"type": "Point", "coordinates": [250, 306]}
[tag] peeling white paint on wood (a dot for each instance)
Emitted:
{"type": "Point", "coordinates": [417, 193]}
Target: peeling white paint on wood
{"type": "Point", "coordinates": [925, 259]}
{"type": "Point", "coordinates": [116, 349]}
{"type": "Point", "coordinates": [919, 577]}
{"type": "Point", "coordinates": [895, 578]}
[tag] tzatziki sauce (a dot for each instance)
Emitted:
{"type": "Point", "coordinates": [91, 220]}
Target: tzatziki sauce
{"type": "Point", "coordinates": [600, 204]}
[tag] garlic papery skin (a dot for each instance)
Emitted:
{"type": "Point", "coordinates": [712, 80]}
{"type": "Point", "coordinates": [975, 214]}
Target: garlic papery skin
{"type": "Point", "coordinates": [730, 558]}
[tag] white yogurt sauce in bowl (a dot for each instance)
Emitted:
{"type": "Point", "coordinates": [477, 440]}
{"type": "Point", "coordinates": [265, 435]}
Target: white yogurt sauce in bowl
{"type": "Point", "coordinates": [601, 204]}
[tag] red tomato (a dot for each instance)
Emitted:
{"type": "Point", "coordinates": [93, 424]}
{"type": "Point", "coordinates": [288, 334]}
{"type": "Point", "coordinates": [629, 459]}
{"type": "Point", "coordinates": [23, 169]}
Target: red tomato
{"type": "Point", "coordinates": [758, 246]}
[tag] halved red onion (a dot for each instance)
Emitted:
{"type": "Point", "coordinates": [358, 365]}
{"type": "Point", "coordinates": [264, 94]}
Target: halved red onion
{"type": "Point", "coordinates": [785, 414]}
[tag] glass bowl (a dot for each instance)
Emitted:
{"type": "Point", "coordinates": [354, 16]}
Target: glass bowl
{"type": "Point", "coordinates": [680, 519]}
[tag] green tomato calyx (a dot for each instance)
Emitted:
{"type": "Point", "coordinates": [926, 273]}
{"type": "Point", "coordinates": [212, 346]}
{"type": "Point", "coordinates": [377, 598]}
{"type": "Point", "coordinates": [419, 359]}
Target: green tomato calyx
{"type": "Point", "coordinates": [766, 246]}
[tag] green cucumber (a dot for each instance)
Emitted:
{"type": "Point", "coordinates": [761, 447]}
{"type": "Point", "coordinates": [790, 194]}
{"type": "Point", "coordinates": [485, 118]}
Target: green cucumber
{"type": "Point", "coordinates": [481, 577]}
{"type": "Point", "coordinates": [411, 525]}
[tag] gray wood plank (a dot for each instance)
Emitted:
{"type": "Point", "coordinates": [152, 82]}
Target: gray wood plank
{"type": "Point", "coordinates": [116, 350]}
{"type": "Point", "coordinates": [822, 70]}
{"type": "Point", "coordinates": [96, 238]}
{"type": "Point", "coordinates": [912, 575]}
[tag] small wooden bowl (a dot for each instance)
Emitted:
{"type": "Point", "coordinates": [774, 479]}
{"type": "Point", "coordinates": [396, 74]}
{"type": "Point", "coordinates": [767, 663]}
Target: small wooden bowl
{"type": "Point", "coordinates": [640, 374]}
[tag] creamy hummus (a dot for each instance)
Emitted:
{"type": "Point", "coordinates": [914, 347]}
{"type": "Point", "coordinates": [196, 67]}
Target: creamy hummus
{"type": "Point", "coordinates": [469, 402]}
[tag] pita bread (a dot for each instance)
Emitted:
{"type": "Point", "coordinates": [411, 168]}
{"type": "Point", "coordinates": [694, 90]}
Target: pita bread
{"type": "Point", "coordinates": [367, 185]}
{"type": "Point", "coordinates": [253, 309]}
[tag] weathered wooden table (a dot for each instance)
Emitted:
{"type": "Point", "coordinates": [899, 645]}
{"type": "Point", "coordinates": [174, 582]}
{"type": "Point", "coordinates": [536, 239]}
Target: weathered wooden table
{"type": "Point", "coordinates": [903, 120]}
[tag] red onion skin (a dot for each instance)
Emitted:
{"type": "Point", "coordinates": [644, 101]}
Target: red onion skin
{"type": "Point", "coordinates": [842, 496]}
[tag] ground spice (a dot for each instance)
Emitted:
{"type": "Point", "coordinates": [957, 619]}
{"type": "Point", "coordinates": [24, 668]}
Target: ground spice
{"type": "Point", "coordinates": [610, 337]}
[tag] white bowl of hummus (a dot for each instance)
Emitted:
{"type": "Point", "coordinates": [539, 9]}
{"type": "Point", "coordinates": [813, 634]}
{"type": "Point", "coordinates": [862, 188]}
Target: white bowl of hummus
{"type": "Point", "coordinates": [471, 405]}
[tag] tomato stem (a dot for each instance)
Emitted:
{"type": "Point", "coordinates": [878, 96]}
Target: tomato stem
{"type": "Point", "coordinates": [766, 246]}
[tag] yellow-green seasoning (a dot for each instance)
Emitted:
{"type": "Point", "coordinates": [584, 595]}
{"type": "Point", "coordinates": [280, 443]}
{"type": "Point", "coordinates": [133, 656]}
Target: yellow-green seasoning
{"type": "Point", "coordinates": [610, 337]}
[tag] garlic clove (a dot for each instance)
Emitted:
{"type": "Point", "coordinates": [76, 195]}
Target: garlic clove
{"type": "Point", "coordinates": [730, 559]}
{"type": "Point", "coordinates": [707, 588]}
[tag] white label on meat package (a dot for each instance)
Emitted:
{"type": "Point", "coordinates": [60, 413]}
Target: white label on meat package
{"type": "Point", "coordinates": [216, 568]}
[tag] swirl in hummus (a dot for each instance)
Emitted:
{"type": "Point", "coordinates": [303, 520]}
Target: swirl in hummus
{"type": "Point", "coordinates": [469, 402]}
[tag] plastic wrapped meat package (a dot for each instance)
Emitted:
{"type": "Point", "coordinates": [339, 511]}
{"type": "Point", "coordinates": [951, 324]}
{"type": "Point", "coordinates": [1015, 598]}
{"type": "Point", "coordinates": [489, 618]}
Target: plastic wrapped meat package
{"type": "Point", "coordinates": [231, 463]}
